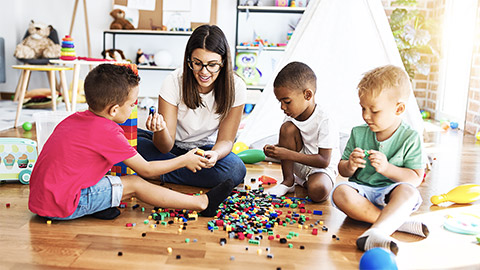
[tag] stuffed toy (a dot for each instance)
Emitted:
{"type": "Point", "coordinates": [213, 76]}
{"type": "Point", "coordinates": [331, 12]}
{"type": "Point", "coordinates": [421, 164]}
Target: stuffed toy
{"type": "Point", "coordinates": [116, 55]}
{"type": "Point", "coordinates": [119, 21]}
{"type": "Point", "coordinates": [37, 44]}
{"type": "Point", "coordinates": [246, 63]}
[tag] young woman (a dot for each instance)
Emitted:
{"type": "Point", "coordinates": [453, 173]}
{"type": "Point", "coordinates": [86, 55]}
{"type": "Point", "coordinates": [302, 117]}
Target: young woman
{"type": "Point", "coordinates": [199, 106]}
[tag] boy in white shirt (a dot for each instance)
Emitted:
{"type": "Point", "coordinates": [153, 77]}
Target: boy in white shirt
{"type": "Point", "coordinates": [308, 141]}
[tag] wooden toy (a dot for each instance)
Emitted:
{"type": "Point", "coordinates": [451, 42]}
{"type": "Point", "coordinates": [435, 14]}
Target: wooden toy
{"type": "Point", "coordinates": [462, 194]}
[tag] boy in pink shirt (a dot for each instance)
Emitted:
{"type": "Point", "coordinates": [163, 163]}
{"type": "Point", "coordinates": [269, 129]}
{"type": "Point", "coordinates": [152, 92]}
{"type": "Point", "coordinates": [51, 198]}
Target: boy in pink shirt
{"type": "Point", "coordinates": [69, 178]}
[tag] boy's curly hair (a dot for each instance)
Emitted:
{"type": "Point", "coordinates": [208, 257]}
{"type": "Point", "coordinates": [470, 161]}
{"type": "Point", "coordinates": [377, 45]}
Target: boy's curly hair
{"type": "Point", "coordinates": [385, 78]}
{"type": "Point", "coordinates": [108, 85]}
{"type": "Point", "coordinates": [296, 76]}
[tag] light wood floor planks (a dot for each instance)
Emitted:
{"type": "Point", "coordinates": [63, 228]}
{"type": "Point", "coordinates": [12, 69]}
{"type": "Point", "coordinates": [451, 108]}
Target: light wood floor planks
{"type": "Point", "coordinates": [27, 242]}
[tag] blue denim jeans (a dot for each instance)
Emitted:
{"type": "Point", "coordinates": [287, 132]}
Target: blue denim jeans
{"type": "Point", "coordinates": [105, 194]}
{"type": "Point", "coordinates": [229, 167]}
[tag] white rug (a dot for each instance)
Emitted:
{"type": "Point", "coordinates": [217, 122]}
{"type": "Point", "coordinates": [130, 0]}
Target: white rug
{"type": "Point", "coordinates": [8, 111]}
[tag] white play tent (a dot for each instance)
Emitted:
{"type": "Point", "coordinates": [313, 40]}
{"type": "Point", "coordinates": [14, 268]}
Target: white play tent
{"type": "Point", "coordinates": [340, 40]}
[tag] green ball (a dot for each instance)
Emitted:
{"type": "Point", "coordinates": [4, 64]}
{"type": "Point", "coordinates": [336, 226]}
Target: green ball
{"type": "Point", "coordinates": [27, 126]}
{"type": "Point", "coordinates": [424, 115]}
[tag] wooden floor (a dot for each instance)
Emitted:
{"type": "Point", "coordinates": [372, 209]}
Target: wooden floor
{"type": "Point", "coordinates": [27, 242]}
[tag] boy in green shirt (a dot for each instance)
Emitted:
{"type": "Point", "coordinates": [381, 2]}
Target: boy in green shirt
{"type": "Point", "coordinates": [383, 163]}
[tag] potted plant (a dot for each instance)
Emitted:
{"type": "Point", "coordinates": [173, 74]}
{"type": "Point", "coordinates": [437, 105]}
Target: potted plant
{"type": "Point", "coordinates": [412, 35]}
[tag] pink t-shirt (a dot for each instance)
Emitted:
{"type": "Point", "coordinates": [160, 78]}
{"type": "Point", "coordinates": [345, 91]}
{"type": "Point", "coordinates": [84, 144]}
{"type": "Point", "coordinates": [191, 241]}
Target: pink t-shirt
{"type": "Point", "coordinates": [80, 151]}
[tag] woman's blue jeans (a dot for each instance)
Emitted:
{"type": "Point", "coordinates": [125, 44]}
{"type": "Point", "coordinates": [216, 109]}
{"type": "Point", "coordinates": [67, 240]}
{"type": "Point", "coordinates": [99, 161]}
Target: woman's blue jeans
{"type": "Point", "coordinates": [229, 167]}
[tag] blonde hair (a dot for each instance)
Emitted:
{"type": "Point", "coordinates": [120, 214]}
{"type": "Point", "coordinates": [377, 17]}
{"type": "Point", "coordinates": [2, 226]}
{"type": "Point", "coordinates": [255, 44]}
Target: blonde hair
{"type": "Point", "coordinates": [385, 78]}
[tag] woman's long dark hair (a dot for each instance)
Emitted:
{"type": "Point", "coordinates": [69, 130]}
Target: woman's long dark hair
{"type": "Point", "coordinates": [210, 38]}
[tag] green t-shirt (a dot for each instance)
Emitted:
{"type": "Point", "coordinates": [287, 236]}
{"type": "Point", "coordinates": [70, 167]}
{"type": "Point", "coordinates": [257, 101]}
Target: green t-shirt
{"type": "Point", "coordinates": [402, 149]}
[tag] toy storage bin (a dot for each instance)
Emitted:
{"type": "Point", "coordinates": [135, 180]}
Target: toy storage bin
{"type": "Point", "coordinates": [46, 123]}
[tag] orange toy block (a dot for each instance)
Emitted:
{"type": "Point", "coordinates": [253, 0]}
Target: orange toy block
{"type": "Point", "coordinates": [267, 180]}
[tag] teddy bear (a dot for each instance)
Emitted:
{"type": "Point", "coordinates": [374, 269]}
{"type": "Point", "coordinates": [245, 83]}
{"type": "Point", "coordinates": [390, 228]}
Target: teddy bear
{"type": "Point", "coordinates": [119, 21]}
{"type": "Point", "coordinates": [37, 43]}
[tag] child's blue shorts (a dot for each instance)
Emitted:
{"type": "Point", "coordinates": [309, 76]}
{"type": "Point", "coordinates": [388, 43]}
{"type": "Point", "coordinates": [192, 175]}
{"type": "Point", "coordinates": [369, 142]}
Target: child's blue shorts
{"type": "Point", "coordinates": [105, 194]}
{"type": "Point", "coordinates": [376, 195]}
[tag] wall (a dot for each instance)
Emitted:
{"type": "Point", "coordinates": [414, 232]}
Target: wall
{"type": "Point", "coordinates": [472, 124]}
{"type": "Point", "coordinates": [16, 15]}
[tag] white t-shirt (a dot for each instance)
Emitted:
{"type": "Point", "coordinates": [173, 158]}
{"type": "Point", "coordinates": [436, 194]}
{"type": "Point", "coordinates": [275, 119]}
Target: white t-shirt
{"type": "Point", "coordinates": [196, 127]}
{"type": "Point", "coordinates": [319, 131]}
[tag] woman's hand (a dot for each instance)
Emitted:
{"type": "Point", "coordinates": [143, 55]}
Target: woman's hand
{"type": "Point", "coordinates": [212, 157]}
{"type": "Point", "coordinates": [195, 162]}
{"type": "Point", "coordinates": [155, 123]}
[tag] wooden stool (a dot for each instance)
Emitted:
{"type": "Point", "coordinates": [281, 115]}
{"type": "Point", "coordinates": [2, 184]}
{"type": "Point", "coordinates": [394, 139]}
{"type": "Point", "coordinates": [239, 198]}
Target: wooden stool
{"type": "Point", "coordinates": [25, 77]}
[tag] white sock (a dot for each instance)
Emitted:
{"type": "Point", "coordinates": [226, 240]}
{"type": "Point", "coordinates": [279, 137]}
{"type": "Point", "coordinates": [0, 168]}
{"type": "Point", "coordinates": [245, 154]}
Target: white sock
{"type": "Point", "coordinates": [280, 190]}
{"type": "Point", "coordinates": [414, 227]}
{"type": "Point", "coordinates": [375, 238]}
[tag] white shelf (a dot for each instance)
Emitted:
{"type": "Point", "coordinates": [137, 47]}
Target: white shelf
{"type": "Point", "coordinates": [256, 87]}
{"type": "Point", "coordinates": [258, 48]}
{"type": "Point", "coordinates": [155, 68]}
{"type": "Point", "coordinates": [148, 32]}
{"type": "Point", "coordinates": [272, 9]}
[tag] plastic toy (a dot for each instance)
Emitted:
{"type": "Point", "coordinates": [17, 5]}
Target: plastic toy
{"type": "Point", "coordinates": [425, 114]}
{"type": "Point", "coordinates": [463, 223]}
{"type": "Point", "coordinates": [17, 158]}
{"type": "Point", "coordinates": [378, 258]}
{"type": "Point", "coordinates": [248, 108]}
{"type": "Point", "coordinates": [130, 129]}
{"type": "Point", "coordinates": [462, 194]}
{"type": "Point", "coordinates": [281, 3]}
{"type": "Point", "coordinates": [250, 156]}
{"type": "Point", "coordinates": [151, 111]}
{"type": "Point", "coordinates": [200, 152]}
{"type": "Point", "coordinates": [246, 67]}
{"type": "Point", "coordinates": [445, 125]}
{"type": "Point", "coordinates": [68, 49]}
{"type": "Point", "coordinates": [27, 126]}
{"type": "Point", "coordinates": [267, 180]}
{"type": "Point", "coordinates": [453, 125]}
{"type": "Point", "coordinates": [239, 147]}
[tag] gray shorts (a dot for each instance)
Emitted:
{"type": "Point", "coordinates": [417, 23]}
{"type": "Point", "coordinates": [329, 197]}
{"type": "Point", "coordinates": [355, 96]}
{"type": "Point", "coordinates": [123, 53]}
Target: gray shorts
{"type": "Point", "coordinates": [376, 195]}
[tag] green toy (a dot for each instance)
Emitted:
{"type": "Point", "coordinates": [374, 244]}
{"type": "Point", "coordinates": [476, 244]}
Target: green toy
{"type": "Point", "coordinates": [246, 67]}
{"type": "Point", "coordinates": [250, 156]}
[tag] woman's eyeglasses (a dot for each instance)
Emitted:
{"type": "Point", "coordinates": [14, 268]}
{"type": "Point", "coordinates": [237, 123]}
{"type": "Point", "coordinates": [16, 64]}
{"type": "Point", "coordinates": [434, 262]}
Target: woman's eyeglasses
{"type": "Point", "coordinates": [212, 67]}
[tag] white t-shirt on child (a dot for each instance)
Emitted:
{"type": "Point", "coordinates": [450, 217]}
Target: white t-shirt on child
{"type": "Point", "coordinates": [319, 131]}
{"type": "Point", "coordinates": [196, 127]}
